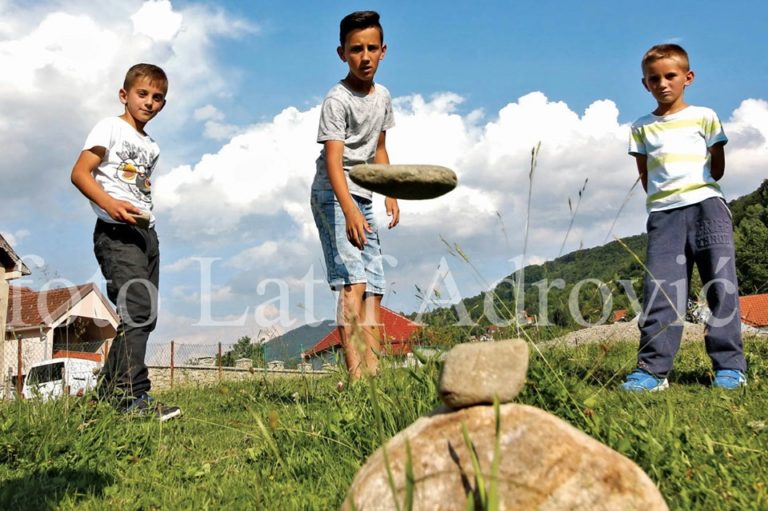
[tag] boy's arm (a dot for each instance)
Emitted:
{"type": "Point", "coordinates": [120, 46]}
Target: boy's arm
{"type": "Point", "coordinates": [356, 223]}
{"type": "Point", "coordinates": [642, 169]}
{"type": "Point", "coordinates": [381, 156]}
{"type": "Point", "coordinates": [82, 178]}
{"type": "Point", "coordinates": [717, 160]}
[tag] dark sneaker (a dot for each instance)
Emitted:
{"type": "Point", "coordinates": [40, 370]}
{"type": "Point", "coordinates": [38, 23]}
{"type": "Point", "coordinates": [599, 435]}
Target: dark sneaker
{"type": "Point", "coordinates": [147, 405]}
{"type": "Point", "coordinates": [642, 381]}
{"type": "Point", "coordinates": [729, 379]}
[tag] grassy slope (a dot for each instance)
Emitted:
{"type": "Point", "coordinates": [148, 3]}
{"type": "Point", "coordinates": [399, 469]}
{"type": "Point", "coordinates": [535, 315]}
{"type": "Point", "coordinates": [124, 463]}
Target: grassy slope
{"type": "Point", "coordinates": [297, 444]}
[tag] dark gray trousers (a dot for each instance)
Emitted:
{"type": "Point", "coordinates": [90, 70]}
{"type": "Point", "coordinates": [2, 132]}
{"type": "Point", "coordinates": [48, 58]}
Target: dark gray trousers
{"type": "Point", "coordinates": [702, 234]}
{"type": "Point", "coordinates": [129, 258]}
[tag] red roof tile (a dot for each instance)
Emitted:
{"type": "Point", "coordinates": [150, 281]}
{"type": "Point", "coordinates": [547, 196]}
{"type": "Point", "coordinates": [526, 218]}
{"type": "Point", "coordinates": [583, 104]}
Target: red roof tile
{"type": "Point", "coordinates": [397, 333]}
{"type": "Point", "coordinates": [754, 310]}
{"type": "Point", "coordinates": [29, 308]}
{"type": "Point", "coordinates": [82, 355]}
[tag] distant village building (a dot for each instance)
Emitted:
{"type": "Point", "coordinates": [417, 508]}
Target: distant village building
{"type": "Point", "coordinates": [205, 361]}
{"type": "Point", "coordinates": [11, 267]}
{"type": "Point", "coordinates": [754, 313]}
{"type": "Point", "coordinates": [620, 315]}
{"type": "Point", "coordinates": [524, 319]}
{"type": "Point", "coordinates": [38, 325]}
{"type": "Point", "coordinates": [244, 363]}
{"type": "Point", "coordinates": [74, 322]}
{"type": "Point", "coordinates": [397, 339]}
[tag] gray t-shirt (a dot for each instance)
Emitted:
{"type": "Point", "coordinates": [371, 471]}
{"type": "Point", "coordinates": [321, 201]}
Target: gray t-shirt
{"type": "Point", "coordinates": [357, 120]}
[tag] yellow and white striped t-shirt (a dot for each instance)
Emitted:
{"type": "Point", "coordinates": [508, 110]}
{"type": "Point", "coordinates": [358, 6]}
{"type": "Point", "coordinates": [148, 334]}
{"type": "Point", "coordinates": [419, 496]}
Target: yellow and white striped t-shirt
{"type": "Point", "coordinates": [678, 157]}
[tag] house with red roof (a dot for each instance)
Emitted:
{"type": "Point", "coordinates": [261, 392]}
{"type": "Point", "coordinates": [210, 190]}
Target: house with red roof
{"type": "Point", "coordinates": [73, 321]}
{"type": "Point", "coordinates": [620, 315]}
{"type": "Point", "coordinates": [11, 267]}
{"type": "Point", "coordinates": [754, 313]}
{"type": "Point", "coordinates": [398, 334]}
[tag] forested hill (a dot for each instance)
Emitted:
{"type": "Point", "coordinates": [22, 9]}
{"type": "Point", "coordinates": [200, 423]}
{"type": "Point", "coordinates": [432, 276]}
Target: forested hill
{"type": "Point", "coordinates": [750, 218]}
{"type": "Point", "coordinates": [617, 261]}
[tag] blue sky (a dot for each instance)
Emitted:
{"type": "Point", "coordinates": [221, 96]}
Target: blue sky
{"type": "Point", "coordinates": [476, 85]}
{"type": "Point", "coordinates": [492, 51]}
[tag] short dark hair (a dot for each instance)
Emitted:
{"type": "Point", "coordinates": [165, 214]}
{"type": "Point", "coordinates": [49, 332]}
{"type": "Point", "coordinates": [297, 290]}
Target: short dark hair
{"type": "Point", "coordinates": [666, 51]}
{"type": "Point", "coordinates": [151, 71]}
{"type": "Point", "coordinates": [359, 20]}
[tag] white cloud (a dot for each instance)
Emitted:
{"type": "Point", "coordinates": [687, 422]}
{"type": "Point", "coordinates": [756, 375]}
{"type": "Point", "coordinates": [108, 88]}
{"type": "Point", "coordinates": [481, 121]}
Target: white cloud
{"type": "Point", "coordinates": [14, 238]}
{"type": "Point", "coordinates": [263, 171]}
{"type": "Point", "coordinates": [62, 68]}
{"type": "Point", "coordinates": [207, 113]}
{"type": "Point", "coordinates": [157, 20]}
{"type": "Point", "coordinates": [253, 192]}
{"type": "Point", "coordinates": [187, 331]}
{"type": "Point", "coordinates": [247, 201]}
{"type": "Point", "coordinates": [746, 154]}
{"type": "Point", "coordinates": [183, 264]}
{"type": "Point", "coordinates": [216, 294]}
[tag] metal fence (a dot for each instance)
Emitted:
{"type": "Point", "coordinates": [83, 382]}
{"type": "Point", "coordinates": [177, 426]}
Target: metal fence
{"type": "Point", "coordinates": [175, 354]}
{"type": "Point", "coordinates": [224, 360]}
{"type": "Point", "coordinates": [17, 355]}
{"type": "Point", "coordinates": [199, 362]}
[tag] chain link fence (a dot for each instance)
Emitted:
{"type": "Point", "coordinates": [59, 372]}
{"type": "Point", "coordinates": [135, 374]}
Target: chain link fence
{"type": "Point", "coordinates": [19, 353]}
{"type": "Point", "coordinates": [170, 362]}
{"type": "Point", "coordinates": [182, 363]}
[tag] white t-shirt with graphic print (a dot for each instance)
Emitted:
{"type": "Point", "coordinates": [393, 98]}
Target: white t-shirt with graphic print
{"type": "Point", "coordinates": [679, 163]}
{"type": "Point", "coordinates": [128, 164]}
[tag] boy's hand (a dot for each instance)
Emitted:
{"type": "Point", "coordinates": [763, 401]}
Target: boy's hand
{"type": "Point", "coordinates": [393, 210]}
{"type": "Point", "coordinates": [122, 211]}
{"type": "Point", "coordinates": [357, 227]}
{"type": "Point", "coordinates": [717, 161]}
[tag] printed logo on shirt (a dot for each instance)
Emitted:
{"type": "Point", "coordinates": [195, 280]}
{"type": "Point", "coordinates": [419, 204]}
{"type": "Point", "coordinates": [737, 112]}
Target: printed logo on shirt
{"type": "Point", "coordinates": [136, 169]}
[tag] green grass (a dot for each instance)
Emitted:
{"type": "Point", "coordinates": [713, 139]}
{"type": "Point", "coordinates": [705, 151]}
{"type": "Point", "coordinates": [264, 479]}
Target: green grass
{"type": "Point", "coordinates": [296, 444]}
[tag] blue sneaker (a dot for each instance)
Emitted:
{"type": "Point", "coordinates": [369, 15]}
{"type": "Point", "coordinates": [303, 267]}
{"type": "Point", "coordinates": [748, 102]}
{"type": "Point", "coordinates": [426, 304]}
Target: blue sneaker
{"type": "Point", "coordinates": [729, 379]}
{"type": "Point", "coordinates": [642, 381]}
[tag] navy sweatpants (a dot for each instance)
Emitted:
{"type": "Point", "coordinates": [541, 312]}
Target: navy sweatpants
{"type": "Point", "coordinates": [702, 234]}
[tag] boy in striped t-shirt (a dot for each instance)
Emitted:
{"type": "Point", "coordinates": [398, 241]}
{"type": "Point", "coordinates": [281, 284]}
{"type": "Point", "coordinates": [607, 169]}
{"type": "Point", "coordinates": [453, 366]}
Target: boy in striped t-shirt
{"type": "Point", "coordinates": [680, 157]}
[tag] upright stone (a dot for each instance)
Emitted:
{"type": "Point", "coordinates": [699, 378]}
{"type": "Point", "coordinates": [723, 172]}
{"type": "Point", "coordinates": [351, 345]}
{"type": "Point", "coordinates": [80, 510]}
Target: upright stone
{"type": "Point", "coordinates": [473, 373]}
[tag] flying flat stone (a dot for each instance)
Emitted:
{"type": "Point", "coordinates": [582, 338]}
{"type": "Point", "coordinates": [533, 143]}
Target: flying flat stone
{"type": "Point", "coordinates": [414, 182]}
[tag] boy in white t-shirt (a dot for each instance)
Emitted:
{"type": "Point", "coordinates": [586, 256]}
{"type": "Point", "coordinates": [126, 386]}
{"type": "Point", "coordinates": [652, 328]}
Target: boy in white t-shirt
{"type": "Point", "coordinates": [680, 157]}
{"type": "Point", "coordinates": [114, 172]}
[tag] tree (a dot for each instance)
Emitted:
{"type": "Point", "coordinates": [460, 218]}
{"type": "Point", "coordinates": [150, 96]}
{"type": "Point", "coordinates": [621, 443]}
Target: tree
{"type": "Point", "coordinates": [244, 348]}
{"type": "Point", "coordinates": [751, 240]}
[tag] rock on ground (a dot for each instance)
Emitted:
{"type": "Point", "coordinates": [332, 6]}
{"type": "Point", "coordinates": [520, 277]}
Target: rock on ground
{"type": "Point", "coordinates": [622, 331]}
{"type": "Point", "coordinates": [545, 464]}
{"type": "Point", "coordinates": [473, 373]}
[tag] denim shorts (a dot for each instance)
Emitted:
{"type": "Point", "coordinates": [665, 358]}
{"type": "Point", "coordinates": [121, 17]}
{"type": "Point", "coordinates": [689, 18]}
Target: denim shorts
{"type": "Point", "coordinates": [346, 263]}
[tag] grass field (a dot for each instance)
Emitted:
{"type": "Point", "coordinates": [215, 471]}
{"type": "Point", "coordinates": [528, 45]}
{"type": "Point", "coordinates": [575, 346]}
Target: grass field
{"type": "Point", "coordinates": [296, 444]}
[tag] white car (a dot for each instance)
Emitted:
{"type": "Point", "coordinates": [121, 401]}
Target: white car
{"type": "Point", "coordinates": [49, 378]}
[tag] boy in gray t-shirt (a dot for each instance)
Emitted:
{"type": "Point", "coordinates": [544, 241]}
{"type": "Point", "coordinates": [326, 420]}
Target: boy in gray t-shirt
{"type": "Point", "coordinates": [354, 119]}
